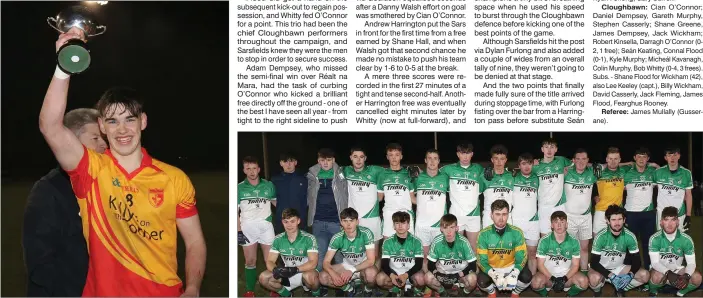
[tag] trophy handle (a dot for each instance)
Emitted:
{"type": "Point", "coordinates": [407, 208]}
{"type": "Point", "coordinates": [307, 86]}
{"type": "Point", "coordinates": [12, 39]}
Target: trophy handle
{"type": "Point", "coordinates": [100, 29]}
{"type": "Point", "coordinates": [49, 19]}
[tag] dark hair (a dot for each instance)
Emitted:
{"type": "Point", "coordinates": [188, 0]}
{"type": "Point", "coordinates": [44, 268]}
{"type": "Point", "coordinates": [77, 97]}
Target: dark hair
{"type": "Point", "coordinates": [250, 159]}
{"type": "Point", "coordinates": [550, 141]}
{"type": "Point", "coordinates": [289, 212]}
{"type": "Point", "coordinates": [76, 119]}
{"type": "Point", "coordinates": [580, 150]}
{"type": "Point", "coordinates": [670, 211]}
{"type": "Point", "coordinates": [642, 151]}
{"type": "Point", "coordinates": [613, 150]}
{"type": "Point", "coordinates": [287, 156]}
{"type": "Point", "coordinates": [525, 157]}
{"type": "Point", "coordinates": [447, 220]}
{"type": "Point", "coordinates": [349, 213]}
{"type": "Point", "coordinates": [614, 209]}
{"type": "Point", "coordinates": [325, 153]}
{"type": "Point", "coordinates": [432, 150]}
{"type": "Point", "coordinates": [351, 151]}
{"type": "Point", "coordinates": [558, 215]}
{"type": "Point", "coordinates": [115, 97]}
{"type": "Point", "coordinates": [401, 216]}
{"type": "Point", "coordinates": [499, 149]}
{"type": "Point", "coordinates": [672, 150]}
{"type": "Point", "coordinates": [394, 146]}
{"type": "Point", "coordinates": [465, 147]}
{"type": "Point", "coordinates": [499, 204]}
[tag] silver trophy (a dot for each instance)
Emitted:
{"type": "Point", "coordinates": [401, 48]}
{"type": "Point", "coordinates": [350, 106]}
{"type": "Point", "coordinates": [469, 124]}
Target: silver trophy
{"type": "Point", "coordinates": [74, 56]}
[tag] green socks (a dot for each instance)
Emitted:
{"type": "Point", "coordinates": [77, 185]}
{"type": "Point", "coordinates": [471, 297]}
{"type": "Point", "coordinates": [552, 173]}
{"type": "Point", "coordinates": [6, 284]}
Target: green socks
{"type": "Point", "coordinates": [284, 292]}
{"type": "Point", "coordinates": [575, 290]}
{"type": "Point", "coordinates": [542, 292]}
{"type": "Point", "coordinates": [316, 293]}
{"type": "Point", "coordinates": [348, 287]}
{"type": "Point", "coordinates": [250, 275]}
{"type": "Point", "coordinates": [654, 288]}
{"type": "Point", "coordinates": [688, 288]}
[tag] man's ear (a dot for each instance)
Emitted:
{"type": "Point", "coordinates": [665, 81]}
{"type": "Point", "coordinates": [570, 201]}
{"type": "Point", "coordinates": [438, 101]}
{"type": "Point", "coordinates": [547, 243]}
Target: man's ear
{"type": "Point", "coordinates": [143, 119]}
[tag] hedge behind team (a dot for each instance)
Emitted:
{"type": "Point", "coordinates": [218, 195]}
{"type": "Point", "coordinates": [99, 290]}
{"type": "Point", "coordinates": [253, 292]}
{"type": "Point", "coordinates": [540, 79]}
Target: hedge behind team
{"type": "Point", "coordinates": [328, 188]}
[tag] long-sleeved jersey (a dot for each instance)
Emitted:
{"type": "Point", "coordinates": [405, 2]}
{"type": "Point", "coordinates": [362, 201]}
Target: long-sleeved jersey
{"type": "Point", "coordinates": [500, 251]}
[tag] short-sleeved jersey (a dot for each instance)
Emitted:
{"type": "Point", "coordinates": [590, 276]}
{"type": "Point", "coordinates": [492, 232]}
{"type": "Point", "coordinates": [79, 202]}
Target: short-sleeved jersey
{"type": "Point", "coordinates": [672, 253]}
{"type": "Point", "coordinates": [612, 250]}
{"type": "Point", "coordinates": [402, 256]}
{"type": "Point", "coordinates": [496, 251]}
{"type": "Point", "coordinates": [525, 197]}
{"type": "Point", "coordinates": [294, 253]}
{"type": "Point", "coordinates": [464, 188]}
{"type": "Point", "coordinates": [499, 188]}
{"type": "Point", "coordinates": [639, 189]}
{"type": "Point", "coordinates": [450, 260]}
{"type": "Point", "coordinates": [353, 250]}
{"type": "Point", "coordinates": [255, 200]}
{"type": "Point", "coordinates": [129, 222]}
{"type": "Point", "coordinates": [431, 196]}
{"type": "Point", "coordinates": [611, 186]}
{"type": "Point", "coordinates": [672, 187]}
{"type": "Point", "coordinates": [396, 188]}
{"type": "Point", "coordinates": [363, 191]}
{"type": "Point", "coordinates": [558, 256]}
{"type": "Point", "coordinates": [551, 181]}
{"type": "Point", "coordinates": [578, 190]}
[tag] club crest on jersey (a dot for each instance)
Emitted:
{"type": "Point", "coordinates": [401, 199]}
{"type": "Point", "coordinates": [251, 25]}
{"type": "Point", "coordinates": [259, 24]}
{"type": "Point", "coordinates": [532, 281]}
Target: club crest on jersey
{"type": "Point", "coordinates": [156, 197]}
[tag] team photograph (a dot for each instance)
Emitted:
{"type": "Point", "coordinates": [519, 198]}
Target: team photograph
{"type": "Point", "coordinates": [559, 214]}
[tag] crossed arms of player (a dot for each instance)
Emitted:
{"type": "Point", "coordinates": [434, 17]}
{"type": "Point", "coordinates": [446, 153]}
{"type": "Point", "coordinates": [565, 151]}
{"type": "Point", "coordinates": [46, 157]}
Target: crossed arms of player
{"type": "Point", "coordinates": [655, 257]}
{"type": "Point", "coordinates": [307, 266]}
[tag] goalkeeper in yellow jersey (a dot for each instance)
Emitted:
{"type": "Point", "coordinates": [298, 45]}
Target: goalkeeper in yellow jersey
{"type": "Point", "coordinates": [502, 255]}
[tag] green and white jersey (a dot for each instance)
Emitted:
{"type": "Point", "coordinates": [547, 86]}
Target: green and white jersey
{"type": "Point", "coordinates": [396, 188]}
{"type": "Point", "coordinates": [294, 253]}
{"type": "Point", "coordinates": [499, 188]}
{"type": "Point", "coordinates": [558, 256]}
{"type": "Point", "coordinates": [452, 259]}
{"type": "Point", "coordinates": [640, 189]}
{"type": "Point", "coordinates": [464, 188]}
{"type": "Point", "coordinates": [525, 197]}
{"type": "Point", "coordinates": [551, 181]}
{"type": "Point", "coordinates": [431, 195]}
{"type": "Point", "coordinates": [612, 250]}
{"type": "Point", "coordinates": [402, 256]}
{"type": "Point", "coordinates": [363, 190]}
{"type": "Point", "coordinates": [353, 250]}
{"type": "Point", "coordinates": [255, 201]}
{"type": "Point", "coordinates": [672, 252]}
{"type": "Point", "coordinates": [578, 190]}
{"type": "Point", "coordinates": [672, 187]}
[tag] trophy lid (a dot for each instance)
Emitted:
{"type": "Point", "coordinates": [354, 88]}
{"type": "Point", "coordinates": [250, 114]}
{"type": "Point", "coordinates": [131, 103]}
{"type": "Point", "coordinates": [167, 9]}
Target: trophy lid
{"type": "Point", "coordinates": [77, 16]}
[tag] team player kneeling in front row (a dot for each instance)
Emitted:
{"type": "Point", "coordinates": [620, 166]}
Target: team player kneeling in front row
{"type": "Point", "coordinates": [298, 250]}
{"type": "Point", "coordinates": [450, 259]}
{"type": "Point", "coordinates": [502, 255]}
{"type": "Point", "coordinates": [615, 256]}
{"type": "Point", "coordinates": [356, 244]}
{"type": "Point", "coordinates": [401, 259]}
{"type": "Point", "coordinates": [558, 261]}
{"type": "Point", "coordinates": [667, 250]}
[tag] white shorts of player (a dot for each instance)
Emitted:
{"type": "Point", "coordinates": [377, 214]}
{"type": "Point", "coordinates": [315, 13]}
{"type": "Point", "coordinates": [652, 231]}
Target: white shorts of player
{"type": "Point", "coordinates": [487, 220]}
{"type": "Point", "coordinates": [659, 215]}
{"type": "Point", "coordinates": [389, 230]}
{"type": "Point", "coordinates": [350, 267]}
{"type": "Point", "coordinates": [504, 270]}
{"type": "Point", "coordinates": [295, 282]}
{"type": "Point", "coordinates": [545, 217]}
{"type": "Point", "coordinates": [530, 229]}
{"type": "Point", "coordinates": [580, 226]}
{"type": "Point", "coordinates": [599, 222]}
{"type": "Point", "coordinates": [427, 234]}
{"type": "Point", "coordinates": [374, 224]}
{"type": "Point", "coordinates": [258, 231]}
{"type": "Point", "coordinates": [469, 223]}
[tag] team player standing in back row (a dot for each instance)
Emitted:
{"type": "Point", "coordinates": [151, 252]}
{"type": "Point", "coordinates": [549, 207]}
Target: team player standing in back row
{"type": "Point", "coordinates": [639, 203]}
{"type": "Point", "coordinates": [674, 184]}
{"type": "Point", "coordinates": [431, 187]}
{"type": "Point", "coordinates": [550, 170]}
{"type": "Point", "coordinates": [395, 187]}
{"type": "Point", "coordinates": [497, 184]}
{"type": "Point", "coordinates": [525, 186]}
{"type": "Point", "coordinates": [578, 191]}
{"type": "Point", "coordinates": [611, 185]}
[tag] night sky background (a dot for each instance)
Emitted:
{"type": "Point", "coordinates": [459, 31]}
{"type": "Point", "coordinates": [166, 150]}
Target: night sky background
{"type": "Point", "coordinates": [174, 53]}
{"type": "Point", "coordinates": [306, 144]}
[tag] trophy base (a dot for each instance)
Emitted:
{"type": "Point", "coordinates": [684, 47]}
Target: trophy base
{"type": "Point", "coordinates": [73, 57]}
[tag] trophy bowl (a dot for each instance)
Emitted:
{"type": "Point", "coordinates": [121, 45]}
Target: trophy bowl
{"type": "Point", "coordinates": [74, 56]}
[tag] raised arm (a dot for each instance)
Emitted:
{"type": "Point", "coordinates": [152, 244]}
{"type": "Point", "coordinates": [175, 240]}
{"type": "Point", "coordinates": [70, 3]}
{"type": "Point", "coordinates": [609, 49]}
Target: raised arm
{"type": "Point", "coordinates": [66, 147]}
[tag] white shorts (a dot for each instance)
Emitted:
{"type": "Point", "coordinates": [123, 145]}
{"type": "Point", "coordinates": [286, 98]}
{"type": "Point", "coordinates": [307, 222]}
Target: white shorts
{"type": "Point", "coordinates": [427, 234]}
{"type": "Point", "coordinates": [659, 215]}
{"type": "Point", "coordinates": [389, 230]}
{"type": "Point", "coordinates": [258, 231]}
{"type": "Point", "coordinates": [545, 217]}
{"type": "Point", "coordinates": [374, 224]}
{"type": "Point", "coordinates": [469, 223]}
{"type": "Point", "coordinates": [599, 222]}
{"type": "Point", "coordinates": [580, 226]}
{"type": "Point", "coordinates": [530, 229]}
{"type": "Point", "coordinates": [487, 220]}
{"type": "Point", "coordinates": [355, 275]}
{"type": "Point", "coordinates": [295, 282]}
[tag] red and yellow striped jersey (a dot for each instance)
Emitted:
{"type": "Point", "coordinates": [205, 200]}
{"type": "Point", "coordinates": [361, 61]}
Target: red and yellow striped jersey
{"type": "Point", "coordinates": [129, 223]}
